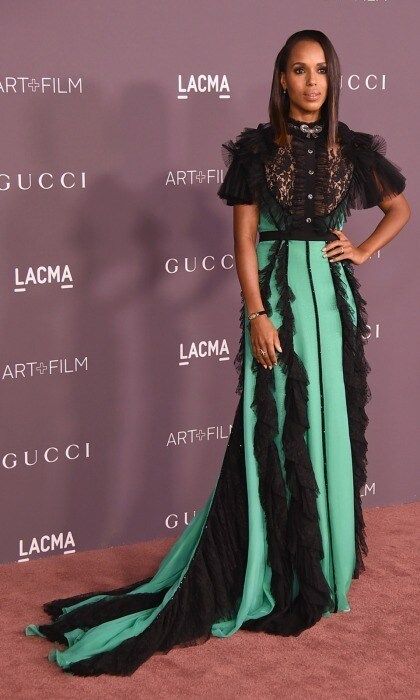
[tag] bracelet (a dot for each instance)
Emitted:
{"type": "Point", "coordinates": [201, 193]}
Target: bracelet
{"type": "Point", "coordinates": [256, 313]}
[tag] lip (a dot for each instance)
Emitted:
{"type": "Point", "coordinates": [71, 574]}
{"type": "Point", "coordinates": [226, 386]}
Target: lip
{"type": "Point", "coordinates": [312, 95]}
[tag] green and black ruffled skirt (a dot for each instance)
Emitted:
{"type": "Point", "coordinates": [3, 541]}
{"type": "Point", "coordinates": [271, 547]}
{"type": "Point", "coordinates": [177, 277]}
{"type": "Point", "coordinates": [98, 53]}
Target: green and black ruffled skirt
{"type": "Point", "coordinates": [281, 536]}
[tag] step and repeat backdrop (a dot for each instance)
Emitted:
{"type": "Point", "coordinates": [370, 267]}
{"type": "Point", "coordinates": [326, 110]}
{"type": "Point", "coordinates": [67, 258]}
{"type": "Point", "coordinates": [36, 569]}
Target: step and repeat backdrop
{"type": "Point", "coordinates": [119, 300]}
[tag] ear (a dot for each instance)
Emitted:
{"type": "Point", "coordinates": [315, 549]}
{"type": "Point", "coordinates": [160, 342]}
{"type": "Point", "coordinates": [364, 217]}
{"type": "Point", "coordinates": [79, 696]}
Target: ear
{"type": "Point", "coordinates": [282, 81]}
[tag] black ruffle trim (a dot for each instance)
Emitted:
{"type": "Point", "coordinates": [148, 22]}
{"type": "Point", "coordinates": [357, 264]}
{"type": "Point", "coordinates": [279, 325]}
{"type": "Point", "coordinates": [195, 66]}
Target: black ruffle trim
{"type": "Point", "coordinates": [304, 535]}
{"type": "Point", "coordinates": [245, 157]}
{"type": "Point", "coordinates": [299, 548]}
{"type": "Point", "coordinates": [210, 590]}
{"type": "Point", "coordinates": [272, 488]}
{"type": "Point", "coordinates": [234, 188]}
{"type": "Point", "coordinates": [358, 394]}
{"type": "Point", "coordinates": [239, 359]}
{"type": "Point", "coordinates": [374, 176]}
{"type": "Point", "coordinates": [54, 608]}
{"type": "Point", "coordinates": [237, 156]}
{"type": "Point", "coordinates": [212, 586]}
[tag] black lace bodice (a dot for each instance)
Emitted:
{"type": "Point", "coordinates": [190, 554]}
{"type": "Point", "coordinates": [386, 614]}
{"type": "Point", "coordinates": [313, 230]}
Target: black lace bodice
{"type": "Point", "coordinates": [304, 175]}
{"type": "Point", "coordinates": [303, 187]}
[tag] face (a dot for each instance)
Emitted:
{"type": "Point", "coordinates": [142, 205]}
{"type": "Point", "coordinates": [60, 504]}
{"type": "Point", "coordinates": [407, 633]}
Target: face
{"type": "Point", "coordinates": [306, 80]}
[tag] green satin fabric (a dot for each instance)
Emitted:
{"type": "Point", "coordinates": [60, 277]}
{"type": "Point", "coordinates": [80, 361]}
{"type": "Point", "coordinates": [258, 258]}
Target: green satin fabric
{"type": "Point", "coordinates": [336, 517]}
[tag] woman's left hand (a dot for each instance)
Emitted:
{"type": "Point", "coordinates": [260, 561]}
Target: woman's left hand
{"type": "Point", "coordinates": [343, 249]}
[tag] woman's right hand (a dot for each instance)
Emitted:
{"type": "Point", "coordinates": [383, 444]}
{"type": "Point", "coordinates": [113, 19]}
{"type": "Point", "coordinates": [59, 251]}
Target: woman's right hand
{"type": "Point", "coordinates": [264, 336]}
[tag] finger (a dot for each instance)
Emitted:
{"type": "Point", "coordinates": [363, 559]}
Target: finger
{"type": "Point", "coordinates": [267, 357]}
{"type": "Point", "coordinates": [268, 349]}
{"type": "Point", "coordinates": [272, 354]}
{"type": "Point", "coordinates": [272, 347]}
{"type": "Point", "coordinates": [337, 258]}
{"type": "Point", "coordinates": [331, 247]}
{"type": "Point", "coordinates": [342, 250]}
{"type": "Point", "coordinates": [256, 346]}
{"type": "Point", "coordinates": [259, 358]}
{"type": "Point", "coordinates": [262, 359]}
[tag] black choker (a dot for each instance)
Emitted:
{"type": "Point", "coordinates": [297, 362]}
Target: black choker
{"type": "Point", "coordinates": [308, 128]}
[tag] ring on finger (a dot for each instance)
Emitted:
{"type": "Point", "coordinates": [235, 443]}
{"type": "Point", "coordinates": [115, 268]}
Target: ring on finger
{"type": "Point", "coordinates": [341, 252]}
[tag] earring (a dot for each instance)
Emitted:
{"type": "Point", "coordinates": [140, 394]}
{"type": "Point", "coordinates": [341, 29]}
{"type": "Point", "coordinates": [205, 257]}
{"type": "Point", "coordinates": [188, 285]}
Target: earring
{"type": "Point", "coordinates": [284, 91]}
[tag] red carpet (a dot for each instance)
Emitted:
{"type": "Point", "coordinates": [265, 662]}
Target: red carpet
{"type": "Point", "coordinates": [366, 653]}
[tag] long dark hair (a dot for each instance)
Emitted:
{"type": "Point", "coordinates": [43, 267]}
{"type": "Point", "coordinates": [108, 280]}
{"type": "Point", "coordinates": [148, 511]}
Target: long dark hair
{"type": "Point", "coordinates": [279, 103]}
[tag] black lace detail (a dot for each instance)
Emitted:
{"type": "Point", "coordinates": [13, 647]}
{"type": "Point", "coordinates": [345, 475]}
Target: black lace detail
{"type": "Point", "coordinates": [245, 157]}
{"type": "Point", "coordinates": [211, 587]}
{"type": "Point", "coordinates": [274, 177]}
{"type": "Point", "coordinates": [286, 175]}
{"type": "Point", "coordinates": [332, 179]}
{"type": "Point", "coordinates": [358, 394]}
{"type": "Point", "coordinates": [280, 172]}
{"type": "Point", "coordinates": [356, 176]}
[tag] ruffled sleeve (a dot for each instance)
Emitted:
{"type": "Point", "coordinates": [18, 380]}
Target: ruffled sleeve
{"type": "Point", "coordinates": [235, 188]}
{"type": "Point", "coordinates": [374, 176]}
{"type": "Point", "coordinates": [239, 158]}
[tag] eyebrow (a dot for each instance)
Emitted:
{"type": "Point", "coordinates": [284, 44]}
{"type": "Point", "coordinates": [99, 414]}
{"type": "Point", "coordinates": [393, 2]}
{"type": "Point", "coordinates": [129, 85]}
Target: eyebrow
{"type": "Point", "coordinates": [321, 63]}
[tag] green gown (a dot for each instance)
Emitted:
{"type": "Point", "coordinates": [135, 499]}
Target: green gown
{"type": "Point", "coordinates": [280, 537]}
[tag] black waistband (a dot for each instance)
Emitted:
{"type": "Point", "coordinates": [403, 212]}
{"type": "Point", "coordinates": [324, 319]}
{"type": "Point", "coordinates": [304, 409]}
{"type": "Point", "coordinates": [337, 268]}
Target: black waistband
{"type": "Point", "coordinates": [295, 236]}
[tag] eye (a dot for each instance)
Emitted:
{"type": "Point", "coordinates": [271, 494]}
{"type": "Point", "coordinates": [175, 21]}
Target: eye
{"type": "Point", "coordinates": [323, 69]}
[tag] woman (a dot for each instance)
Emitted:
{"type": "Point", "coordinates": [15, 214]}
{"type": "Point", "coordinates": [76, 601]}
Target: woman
{"type": "Point", "coordinates": [282, 534]}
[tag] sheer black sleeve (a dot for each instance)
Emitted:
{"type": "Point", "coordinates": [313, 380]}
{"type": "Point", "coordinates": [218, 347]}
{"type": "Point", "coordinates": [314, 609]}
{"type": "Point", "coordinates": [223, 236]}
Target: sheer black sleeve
{"type": "Point", "coordinates": [375, 176]}
{"type": "Point", "coordinates": [240, 156]}
{"type": "Point", "coordinates": [235, 188]}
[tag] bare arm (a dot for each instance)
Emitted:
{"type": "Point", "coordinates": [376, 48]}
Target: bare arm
{"type": "Point", "coordinates": [397, 212]}
{"type": "Point", "coordinates": [245, 223]}
{"type": "Point", "coordinates": [264, 335]}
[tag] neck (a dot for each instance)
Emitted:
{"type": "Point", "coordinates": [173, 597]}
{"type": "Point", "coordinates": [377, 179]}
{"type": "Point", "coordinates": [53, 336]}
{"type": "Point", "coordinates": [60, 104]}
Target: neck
{"type": "Point", "coordinates": [307, 117]}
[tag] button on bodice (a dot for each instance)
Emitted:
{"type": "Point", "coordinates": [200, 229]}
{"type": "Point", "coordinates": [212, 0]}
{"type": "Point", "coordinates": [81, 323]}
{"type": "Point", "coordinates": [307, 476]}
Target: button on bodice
{"type": "Point", "coordinates": [305, 178]}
